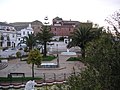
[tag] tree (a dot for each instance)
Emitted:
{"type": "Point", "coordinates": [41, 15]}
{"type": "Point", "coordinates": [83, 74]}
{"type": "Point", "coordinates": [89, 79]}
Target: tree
{"type": "Point", "coordinates": [103, 65]}
{"type": "Point", "coordinates": [82, 35]}
{"type": "Point", "coordinates": [34, 57]}
{"type": "Point", "coordinates": [85, 80]}
{"type": "Point", "coordinates": [45, 36]}
{"type": "Point", "coordinates": [104, 56]}
{"type": "Point", "coordinates": [30, 41]}
{"type": "Point", "coordinates": [114, 21]}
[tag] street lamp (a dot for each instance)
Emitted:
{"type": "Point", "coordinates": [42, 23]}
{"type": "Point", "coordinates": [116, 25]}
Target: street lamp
{"type": "Point", "coordinates": [57, 56]}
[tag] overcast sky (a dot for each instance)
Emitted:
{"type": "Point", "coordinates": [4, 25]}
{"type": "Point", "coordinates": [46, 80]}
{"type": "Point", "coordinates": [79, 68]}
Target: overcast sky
{"type": "Point", "coordinates": [81, 10]}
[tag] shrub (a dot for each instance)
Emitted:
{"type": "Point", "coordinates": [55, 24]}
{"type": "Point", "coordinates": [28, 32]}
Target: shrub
{"type": "Point", "coordinates": [73, 59]}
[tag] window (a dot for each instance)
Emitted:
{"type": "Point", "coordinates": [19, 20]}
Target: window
{"type": "Point", "coordinates": [13, 35]}
{"type": "Point", "coordinates": [23, 32]}
{"type": "Point", "coordinates": [69, 29]}
{"type": "Point", "coordinates": [18, 39]}
{"type": "Point", "coordinates": [27, 32]}
{"type": "Point", "coordinates": [8, 38]}
{"type": "Point", "coordinates": [55, 29]}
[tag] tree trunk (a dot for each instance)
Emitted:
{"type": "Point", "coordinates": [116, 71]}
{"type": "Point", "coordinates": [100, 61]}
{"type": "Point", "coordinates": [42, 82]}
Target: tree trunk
{"type": "Point", "coordinates": [83, 52]}
{"type": "Point", "coordinates": [33, 70]}
{"type": "Point", "coordinates": [45, 49]}
{"type": "Point", "coordinates": [20, 57]}
{"type": "Point", "coordinates": [30, 48]}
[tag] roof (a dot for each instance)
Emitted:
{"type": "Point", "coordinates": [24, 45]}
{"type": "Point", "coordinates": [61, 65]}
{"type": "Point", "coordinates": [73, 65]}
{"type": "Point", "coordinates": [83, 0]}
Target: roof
{"type": "Point", "coordinates": [70, 22]}
{"type": "Point", "coordinates": [20, 25]}
{"type": "Point", "coordinates": [36, 22]}
{"type": "Point", "coordinates": [57, 18]}
{"type": "Point", "coordinates": [5, 24]}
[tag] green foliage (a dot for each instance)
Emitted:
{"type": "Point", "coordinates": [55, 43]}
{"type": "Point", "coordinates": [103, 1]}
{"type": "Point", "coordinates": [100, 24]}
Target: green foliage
{"type": "Point", "coordinates": [17, 79]}
{"type": "Point", "coordinates": [104, 56]}
{"type": "Point", "coordinates": [83, 35]}
{"type": "Point", "coordinates": [26, 49]}
{"type": "Point", "coordinates": [49, 58]}
{"type": "Point", "coordinates": [103, 65]}
{"type": "Point", "coordinates": [30, 41]}
{"type": "Point", "coordinates": [73, 59]}
{"type": "Point", "coordinates": [34, 57]}
{"type": "Point", "coordinates": [18, 54]}
{"type": "Point", "coordinates": [45, 36]}
{"type": "Point", "coordinates": [86, 80]}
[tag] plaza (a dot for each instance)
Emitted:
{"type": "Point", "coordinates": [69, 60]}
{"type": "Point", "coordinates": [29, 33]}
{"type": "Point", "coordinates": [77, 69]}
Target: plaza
{"type": "Point", "coordinates": [66, 67]}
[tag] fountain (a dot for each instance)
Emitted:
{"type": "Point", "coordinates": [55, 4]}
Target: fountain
{"type": "Point", "coordinates": [68, 53]}
{"type": "Point", "coordinates": [30, 85]}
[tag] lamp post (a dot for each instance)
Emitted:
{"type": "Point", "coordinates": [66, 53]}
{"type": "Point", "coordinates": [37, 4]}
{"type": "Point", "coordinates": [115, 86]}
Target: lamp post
{"type": "Point", "coordinates": [57, 56]}
{"type": "Point", "coordinates": [44, 40]}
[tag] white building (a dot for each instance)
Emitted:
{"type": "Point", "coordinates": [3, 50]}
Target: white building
{"type": "Point", "coordinates": [24, 32]}
{"type": "Point", "coordinates": [9, 37]}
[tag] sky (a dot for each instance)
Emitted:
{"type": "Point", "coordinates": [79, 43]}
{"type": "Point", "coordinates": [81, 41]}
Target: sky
{"type": "Point", "coordinates": [78, 10]}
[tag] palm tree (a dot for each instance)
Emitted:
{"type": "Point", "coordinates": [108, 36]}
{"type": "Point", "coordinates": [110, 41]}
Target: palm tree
{"type": "Point", "coordinates": [82, 35]}
{"type": "Point", "coordinates": [30, 41]}
{"type": "Point", "coordinates": [34, 57]}
{"type": "Point", "coordinates": [45, 36]}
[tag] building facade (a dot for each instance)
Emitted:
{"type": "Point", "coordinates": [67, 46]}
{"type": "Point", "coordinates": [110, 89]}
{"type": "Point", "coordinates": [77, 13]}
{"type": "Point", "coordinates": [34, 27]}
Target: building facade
{"type": "Point", "coordinates": [24, 33]}
{"type": "Point", "coordinates": [36, 26]}
{"type": "Point", "coordinates": [8, 35]}
{"type": "Point", "coordinates": [62, 27]}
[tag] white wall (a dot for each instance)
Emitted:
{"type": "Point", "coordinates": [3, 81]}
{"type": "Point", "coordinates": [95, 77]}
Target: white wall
{"type": "Point", "coordinates": [26, 31]}
{"type": "Point", "coordinates": [12, 36]}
